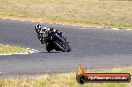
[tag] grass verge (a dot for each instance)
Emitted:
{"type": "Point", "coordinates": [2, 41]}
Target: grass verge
{"type": "Point", "coordinates": [6, 49]}
{"type": "Point", "coordinates": [60, 80]}
{"type": "Point", "coordinates": [105, 13]}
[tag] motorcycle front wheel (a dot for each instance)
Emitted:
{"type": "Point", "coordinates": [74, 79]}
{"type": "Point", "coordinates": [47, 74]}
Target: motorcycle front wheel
{"type": "Point", "coordinates": [59, 47]}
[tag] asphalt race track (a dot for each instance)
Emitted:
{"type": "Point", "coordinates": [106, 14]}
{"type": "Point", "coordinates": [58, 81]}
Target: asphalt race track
{"type": "Point", "coordinates": [94, 48]}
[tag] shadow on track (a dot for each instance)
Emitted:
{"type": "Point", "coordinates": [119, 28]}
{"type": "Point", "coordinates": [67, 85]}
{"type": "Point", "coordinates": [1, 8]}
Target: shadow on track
{"type": "Point", "coordinates": [50, 52]}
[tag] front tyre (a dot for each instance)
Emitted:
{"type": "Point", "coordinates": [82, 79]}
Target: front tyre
{"type": "Point", "coordinates": [68, 49]}
{"type": "Point", "coordinates": [59, 47]}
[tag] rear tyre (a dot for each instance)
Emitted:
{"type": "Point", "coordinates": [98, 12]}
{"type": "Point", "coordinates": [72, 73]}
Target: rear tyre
{"type": "Point", "coordinates": [49, 47]}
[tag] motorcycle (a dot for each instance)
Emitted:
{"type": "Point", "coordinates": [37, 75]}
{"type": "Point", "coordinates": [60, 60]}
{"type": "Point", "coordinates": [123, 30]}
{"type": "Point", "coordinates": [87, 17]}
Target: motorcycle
{"type": "Point", "coordinates": [53, 43]}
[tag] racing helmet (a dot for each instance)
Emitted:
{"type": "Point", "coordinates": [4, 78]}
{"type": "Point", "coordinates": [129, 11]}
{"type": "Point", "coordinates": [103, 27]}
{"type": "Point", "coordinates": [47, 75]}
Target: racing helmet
{"type": "Point", "coordinates": [38, 26]}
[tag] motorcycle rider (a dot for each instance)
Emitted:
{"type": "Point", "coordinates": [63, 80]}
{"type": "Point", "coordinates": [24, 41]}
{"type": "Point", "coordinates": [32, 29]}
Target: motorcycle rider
{"type": "Point", "coordinates": [38, 29]}
{"type": "Point", "coordinates": [49, 32]}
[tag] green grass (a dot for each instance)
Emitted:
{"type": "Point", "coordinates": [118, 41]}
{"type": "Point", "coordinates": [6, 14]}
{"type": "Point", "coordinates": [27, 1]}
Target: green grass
{"type": "Point", "coordinates": [6, 49]}
{"type": "Point", "coordinates": [105, 13]}
{"type": "Point", "coordinates": [60, 80]}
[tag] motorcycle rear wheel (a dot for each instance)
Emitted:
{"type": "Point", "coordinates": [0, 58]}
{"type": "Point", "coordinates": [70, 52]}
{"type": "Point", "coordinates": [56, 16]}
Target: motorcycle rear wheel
{"type": "Point", "coordinates": [49, 47]}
